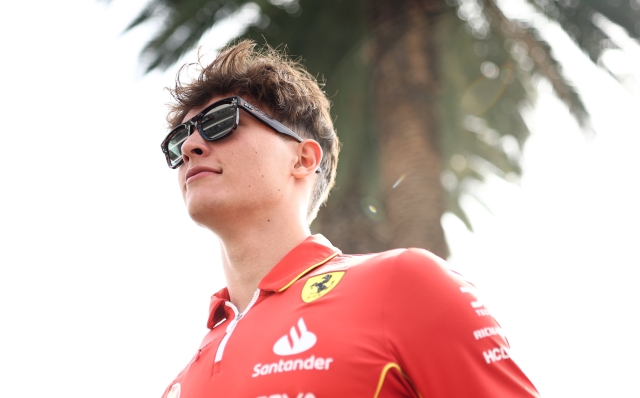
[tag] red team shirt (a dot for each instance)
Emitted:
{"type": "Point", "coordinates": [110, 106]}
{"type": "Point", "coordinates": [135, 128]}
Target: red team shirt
{"type": "Point", "coordinates": [324, 324]}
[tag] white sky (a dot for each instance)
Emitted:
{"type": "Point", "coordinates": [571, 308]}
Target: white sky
{"type": "Point", "coordinates": [105, 282]}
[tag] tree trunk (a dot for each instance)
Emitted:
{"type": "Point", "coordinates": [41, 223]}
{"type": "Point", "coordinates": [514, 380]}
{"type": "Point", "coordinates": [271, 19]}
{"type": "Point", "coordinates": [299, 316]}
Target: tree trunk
{"type": "Point", "coordinates": [406, 108]}
{"type": "Point", "coordinates": [405, 112]}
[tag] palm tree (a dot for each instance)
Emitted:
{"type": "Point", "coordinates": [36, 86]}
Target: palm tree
{"type": "Point", "coordinates": [427, 94]}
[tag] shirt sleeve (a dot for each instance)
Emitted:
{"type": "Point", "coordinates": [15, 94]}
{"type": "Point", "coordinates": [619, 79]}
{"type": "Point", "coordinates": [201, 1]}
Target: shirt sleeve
{"type": "Point", "coordinates": [445, 340]}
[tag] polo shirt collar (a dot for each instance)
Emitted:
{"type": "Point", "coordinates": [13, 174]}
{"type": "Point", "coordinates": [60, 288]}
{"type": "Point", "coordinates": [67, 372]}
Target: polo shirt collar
{"type": "Point", "coordinates": [313, 252]}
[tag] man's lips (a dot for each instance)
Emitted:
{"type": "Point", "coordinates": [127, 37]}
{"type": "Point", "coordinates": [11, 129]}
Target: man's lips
{"type": "Point", "coordinates": [200, 171]}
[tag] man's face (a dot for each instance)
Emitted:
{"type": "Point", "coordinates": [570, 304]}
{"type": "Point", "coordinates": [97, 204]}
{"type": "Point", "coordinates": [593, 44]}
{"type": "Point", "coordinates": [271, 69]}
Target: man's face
{"type": "Point", "coordinates": [245, 174]}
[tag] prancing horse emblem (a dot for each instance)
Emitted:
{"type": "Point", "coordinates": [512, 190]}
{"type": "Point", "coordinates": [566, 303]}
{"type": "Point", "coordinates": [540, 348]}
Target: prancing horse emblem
{"type": "Point", "coordinates": [319, 285]}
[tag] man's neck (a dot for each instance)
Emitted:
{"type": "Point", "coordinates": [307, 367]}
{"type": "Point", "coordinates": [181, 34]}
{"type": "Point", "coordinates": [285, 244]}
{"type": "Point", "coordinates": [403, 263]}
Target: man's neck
{"type": "Point", "coordinates": [248, 256]}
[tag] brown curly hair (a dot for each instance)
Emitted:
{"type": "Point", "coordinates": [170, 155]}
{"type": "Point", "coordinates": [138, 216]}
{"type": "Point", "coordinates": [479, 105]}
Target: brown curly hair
{"type": "Point", "coordinates": [278, 84]}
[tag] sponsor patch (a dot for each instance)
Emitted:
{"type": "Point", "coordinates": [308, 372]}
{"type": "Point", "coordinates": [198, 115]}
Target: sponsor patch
{"type": "Point", "coordinates": [301, 340]}
{"type": "Point", "coordinates": [298, 340]}
{"type": "Point", "coordinates": [319, 285]}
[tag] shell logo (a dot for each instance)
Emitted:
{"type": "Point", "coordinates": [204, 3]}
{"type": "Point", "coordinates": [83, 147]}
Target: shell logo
{"type": "Point", "coordinates": [175, 391]}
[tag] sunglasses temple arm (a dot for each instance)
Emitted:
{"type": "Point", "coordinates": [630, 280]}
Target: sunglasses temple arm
{"type": "Point", "coordinates": [282, 129]}
{"type": "Point", "coordinates": [274, 124]}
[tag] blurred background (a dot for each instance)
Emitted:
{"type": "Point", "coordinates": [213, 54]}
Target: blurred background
{"type": "Point", "coordinates": [516, 119]}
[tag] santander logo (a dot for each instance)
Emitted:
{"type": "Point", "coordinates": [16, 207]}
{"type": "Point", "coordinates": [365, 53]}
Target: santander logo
{"type": "Point", "coordinates": [300, 341]}
{"type": "Point", "coordinates": [297, 341]}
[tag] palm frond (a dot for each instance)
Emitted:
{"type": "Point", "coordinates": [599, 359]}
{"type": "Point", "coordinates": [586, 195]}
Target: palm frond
{"type": "Point", "coordinates": [622, 13]}
{"type": "Point", "coordinates": [183, 23]}
{"type": "Point", "coordinates": [482, 131]}
{"type": "Point", "coordinates": [580, 19]}
{"type": "Point", "coordinates": [453, 206]}
{"type": "Point", "coordinates": [151, 10]}
{"type": "Point", "coordinates": [576, 19]}
{"type": "Point", "coordinates": [537, 51]}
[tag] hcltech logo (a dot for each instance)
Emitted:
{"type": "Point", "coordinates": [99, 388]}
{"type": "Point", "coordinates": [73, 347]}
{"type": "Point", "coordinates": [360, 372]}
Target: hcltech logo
{"type": "Point", "coordinates": [299, 342]}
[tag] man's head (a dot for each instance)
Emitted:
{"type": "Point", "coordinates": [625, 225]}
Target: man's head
{"type": "Point", "coordinates": [273, 83]}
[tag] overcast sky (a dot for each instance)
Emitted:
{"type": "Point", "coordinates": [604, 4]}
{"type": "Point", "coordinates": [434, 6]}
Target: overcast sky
{"type": "Point", "coordinates": [105, 282]}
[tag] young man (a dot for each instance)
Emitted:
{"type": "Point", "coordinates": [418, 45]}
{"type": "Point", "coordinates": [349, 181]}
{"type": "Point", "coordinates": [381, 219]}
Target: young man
{"type": "Point", "coordinates": [256, 155]}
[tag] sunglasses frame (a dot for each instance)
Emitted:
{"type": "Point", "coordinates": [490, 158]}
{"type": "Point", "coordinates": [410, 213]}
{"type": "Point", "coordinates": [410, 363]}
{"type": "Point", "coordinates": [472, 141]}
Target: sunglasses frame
{"type": "Point", "coordinates": [240, 104]}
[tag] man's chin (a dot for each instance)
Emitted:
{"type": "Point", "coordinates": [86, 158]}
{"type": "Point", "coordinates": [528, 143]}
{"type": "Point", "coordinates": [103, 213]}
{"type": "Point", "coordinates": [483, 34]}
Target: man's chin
{"type": "Point", "coordinates": [200, 208]}
{"type": "Point", "coordinates": [210, 214]}
{"type": "Point", "coordinates": [200, 214]}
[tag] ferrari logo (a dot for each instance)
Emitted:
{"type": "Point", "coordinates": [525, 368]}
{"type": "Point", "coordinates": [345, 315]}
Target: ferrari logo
{"type": "Point", "coordinates": [320, 285]}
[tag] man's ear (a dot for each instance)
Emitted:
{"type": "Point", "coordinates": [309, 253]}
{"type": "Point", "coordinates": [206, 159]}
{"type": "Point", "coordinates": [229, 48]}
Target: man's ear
{"type": "Point", "coordinates": [309, 154]}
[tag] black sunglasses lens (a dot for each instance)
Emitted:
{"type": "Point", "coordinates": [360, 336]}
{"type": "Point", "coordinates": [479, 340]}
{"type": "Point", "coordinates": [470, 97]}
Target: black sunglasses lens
{"type": "Point", "coordinates": [174, 146]}
{"type": "Point", "coordinates": [219, 121]}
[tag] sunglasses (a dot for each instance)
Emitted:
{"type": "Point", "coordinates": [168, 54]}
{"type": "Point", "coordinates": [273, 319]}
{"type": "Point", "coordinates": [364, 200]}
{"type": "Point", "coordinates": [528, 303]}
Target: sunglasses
{"type": "Point", "coordinates": [214, 123]}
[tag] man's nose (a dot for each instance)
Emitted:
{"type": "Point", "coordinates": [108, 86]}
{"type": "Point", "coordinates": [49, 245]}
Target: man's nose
{"type": "Point", "coordinates": [194, 146]}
